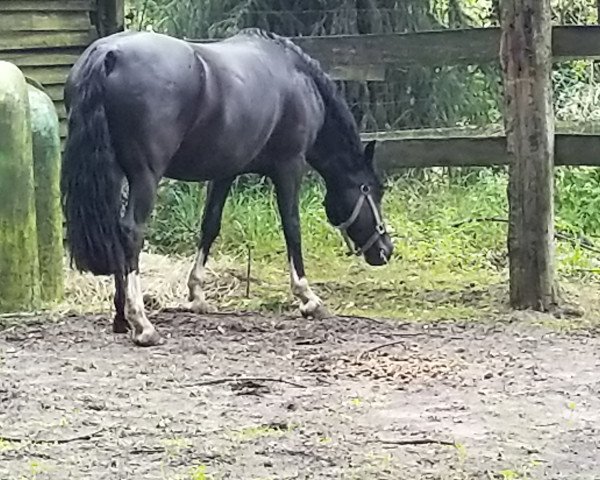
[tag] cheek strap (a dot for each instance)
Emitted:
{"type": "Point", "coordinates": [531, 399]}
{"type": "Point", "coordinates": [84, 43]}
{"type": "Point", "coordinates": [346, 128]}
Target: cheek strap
{"type": "Point", "coordinates": [379, 225]}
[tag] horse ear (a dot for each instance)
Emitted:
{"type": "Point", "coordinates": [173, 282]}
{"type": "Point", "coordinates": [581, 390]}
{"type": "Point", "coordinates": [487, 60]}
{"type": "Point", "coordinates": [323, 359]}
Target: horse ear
{"type": "Point", "coordinates": [369, 152]}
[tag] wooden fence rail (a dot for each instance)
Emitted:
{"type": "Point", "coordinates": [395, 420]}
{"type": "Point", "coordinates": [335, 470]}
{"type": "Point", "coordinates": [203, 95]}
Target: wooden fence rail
{"type": "Point", "coordinates": [470, 147]}
{"type": "Point", "coordinates": [366, 57]}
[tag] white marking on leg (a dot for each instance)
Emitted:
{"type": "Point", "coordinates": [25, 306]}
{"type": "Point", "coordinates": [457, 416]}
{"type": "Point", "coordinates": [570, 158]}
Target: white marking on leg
{"type": "Point", "coordinates": [196, 284]}
{"type": "Point", "coordinates": [310, 302]}
{"type": "Point", "coordinates": [143, 331]}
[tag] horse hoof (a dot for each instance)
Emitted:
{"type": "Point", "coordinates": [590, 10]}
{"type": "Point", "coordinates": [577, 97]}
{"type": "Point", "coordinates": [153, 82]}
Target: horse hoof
{"type": "Point", "coordinates": [315, 311]}
{"type": "Point", "coordinates": [201, 307]}
{"type": "Point", "coordinates": [321, 313]}
{"type": "Point", "coordinates": [149, 339]}
{"type": "Point", "coordinates": [120, 326]}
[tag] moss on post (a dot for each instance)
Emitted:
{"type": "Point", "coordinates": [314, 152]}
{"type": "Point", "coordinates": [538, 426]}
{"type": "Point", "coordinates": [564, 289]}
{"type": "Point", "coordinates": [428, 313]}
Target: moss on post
{"type": "Point", "coordinates": [19, 270]}
{"type": "Point", "coordinates": [46, 161]}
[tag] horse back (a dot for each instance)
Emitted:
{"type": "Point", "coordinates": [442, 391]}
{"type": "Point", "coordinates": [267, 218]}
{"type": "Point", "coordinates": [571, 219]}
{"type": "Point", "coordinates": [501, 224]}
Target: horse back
{"type": "Point", "coordinates": [257, 108]}
{"type": "Point", "coordinates": [198, 112]}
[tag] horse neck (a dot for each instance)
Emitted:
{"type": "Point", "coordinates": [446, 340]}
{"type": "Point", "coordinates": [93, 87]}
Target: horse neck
{"type": "Point", "coordinates": [334, 154]}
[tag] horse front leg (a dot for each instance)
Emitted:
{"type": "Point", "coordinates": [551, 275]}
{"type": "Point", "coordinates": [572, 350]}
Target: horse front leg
{"type": "Point", "coordinates": [142, 192]}
{"type": "Point", "coordinates": [287, 187]}
{"type": "Point", "coordinates": [211, 226]}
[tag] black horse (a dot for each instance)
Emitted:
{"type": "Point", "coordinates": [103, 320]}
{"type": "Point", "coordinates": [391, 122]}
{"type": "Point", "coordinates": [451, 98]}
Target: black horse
{"type": "Point", "coordinates": [143, 105]}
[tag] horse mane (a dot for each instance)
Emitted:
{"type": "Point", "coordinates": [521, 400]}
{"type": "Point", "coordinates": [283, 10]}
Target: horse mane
{"type": "Point", "coordinates": [338, 117]}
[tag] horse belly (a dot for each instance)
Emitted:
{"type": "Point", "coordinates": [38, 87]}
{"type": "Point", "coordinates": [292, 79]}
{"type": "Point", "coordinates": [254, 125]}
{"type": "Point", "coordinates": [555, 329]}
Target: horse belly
{"type": "Point", "coordinates": [204, 166]}
{"type": "Point", "coordinates": [221, 149]}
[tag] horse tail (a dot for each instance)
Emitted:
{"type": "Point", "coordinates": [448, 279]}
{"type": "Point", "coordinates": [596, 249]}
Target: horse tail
{"type": "Point", "coordinates": [91, 178]}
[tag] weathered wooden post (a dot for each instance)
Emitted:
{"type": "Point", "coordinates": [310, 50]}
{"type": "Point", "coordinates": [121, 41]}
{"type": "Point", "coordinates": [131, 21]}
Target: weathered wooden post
{"type": "Point", "coordinates": [526, 56]}
{"type": "Point", "coordinates": [46, 160]}
{"type": "Point", "coordinates": [19, 271]}
{"type": "Point", "coordinates": [110, 16]}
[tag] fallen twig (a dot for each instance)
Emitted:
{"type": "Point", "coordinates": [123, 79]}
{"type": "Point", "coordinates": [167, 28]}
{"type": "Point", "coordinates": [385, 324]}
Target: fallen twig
{"type": "Point", "coordinates": [11, 315]}
{"type": "Point", "coordinates": [479, 220]}
{"type": "Point", "coordinates": [58, 441]}
{"type": "Point", "coordinates": [248, 271]}
{"type": "Point", "coordinates": [417, 441]}
{"type": "Point", "coordinates": [580, 242]}
{"type": "Point", "coordinates": [147, 451]}
{"type": "Point", "coordinates": [358, 317]}
{"type": "Point", "coordinates": [217, 381]}
{"type": "Point", "coordinates": [378, 347]}
{"type": "Point", "coordinates": [409, 334]}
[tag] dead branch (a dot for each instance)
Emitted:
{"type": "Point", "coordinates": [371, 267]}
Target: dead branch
{"type": "Point", "coordinates": [21, 315]}
{"type": "Point", "coordinates": [217, 381]}
{"type": "Point", "coordinates": [378, 347]}
{"type": "Point", "coordinates": [579, 242]}
{"type": "Point", "coordinates": [358, 317]}
{"type": "Point", "coordinates": [248, 271]}
{"type": "Point", "coordinates": [411, 334]}
{"type": "Point", "coordinates": [147, 451]}
{"type": "Point", "coordinates": [58, 441]}
{"type": "Point", "coordinates": [417, 441]}
{"type": "Point", "coordinates": [479, 220]}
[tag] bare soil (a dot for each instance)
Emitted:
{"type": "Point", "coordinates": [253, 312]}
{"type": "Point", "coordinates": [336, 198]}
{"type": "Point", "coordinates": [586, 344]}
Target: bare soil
{"type": "Point", "coordinates": [341, 398]}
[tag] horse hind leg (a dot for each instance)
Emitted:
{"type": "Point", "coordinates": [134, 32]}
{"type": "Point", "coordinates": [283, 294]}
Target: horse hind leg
{"type": "Point", "coordinates": [120, 324]}
{"type": "Point", "coordinates": [211, 225]}
{"type": "Point", "coordinates": [142, 192]}
{"type": "Point", "coordinates": [144, 334]}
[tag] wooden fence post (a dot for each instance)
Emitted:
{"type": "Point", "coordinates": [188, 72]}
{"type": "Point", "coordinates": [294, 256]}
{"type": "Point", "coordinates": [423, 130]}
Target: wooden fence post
{"type": "Point", "coordinates": [526, 56]}
{"type": "Point", "coordinates": [19, 269]}
{"type": "Point", "coordinates": [45, 138]}
{"type": "Point", "coordinates": [110, 16]}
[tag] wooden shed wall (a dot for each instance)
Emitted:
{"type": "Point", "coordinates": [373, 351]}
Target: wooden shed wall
{"type": "Point", "coordinates": [45, 37]}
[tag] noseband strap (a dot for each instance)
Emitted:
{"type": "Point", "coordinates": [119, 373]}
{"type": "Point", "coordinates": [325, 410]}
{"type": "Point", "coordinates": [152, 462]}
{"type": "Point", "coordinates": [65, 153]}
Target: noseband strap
{"type": "Point", "coordinates": [379, 225]}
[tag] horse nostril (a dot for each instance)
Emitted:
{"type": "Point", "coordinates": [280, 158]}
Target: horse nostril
{"type": "Point", "coordinates": [384, 257]}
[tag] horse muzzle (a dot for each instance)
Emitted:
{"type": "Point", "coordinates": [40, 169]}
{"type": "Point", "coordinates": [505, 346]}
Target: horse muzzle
{"type": "Point", "coordinates": [380, 252]}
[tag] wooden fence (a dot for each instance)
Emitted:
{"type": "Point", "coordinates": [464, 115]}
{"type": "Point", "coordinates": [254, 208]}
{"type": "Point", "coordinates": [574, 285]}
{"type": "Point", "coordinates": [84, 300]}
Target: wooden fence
{"type": "Point", "coordinates": [527, 44]}
{"type": "Point", "coordinates": [368, 57]}
{"type": "Point", "coordinates": [44, 38]}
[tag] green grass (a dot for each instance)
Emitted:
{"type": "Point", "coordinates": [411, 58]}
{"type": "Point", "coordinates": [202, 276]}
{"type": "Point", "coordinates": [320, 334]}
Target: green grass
{"type": "Point", "coordinates": [444, 267]}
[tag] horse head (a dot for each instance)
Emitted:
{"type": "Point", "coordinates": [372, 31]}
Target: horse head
{"type": "Point", "coordinates": [353, 205]}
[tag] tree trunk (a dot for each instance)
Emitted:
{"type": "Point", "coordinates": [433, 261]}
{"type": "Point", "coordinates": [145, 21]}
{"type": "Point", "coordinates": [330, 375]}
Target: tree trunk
{"type": "Point", "coordinates": [526, 55]}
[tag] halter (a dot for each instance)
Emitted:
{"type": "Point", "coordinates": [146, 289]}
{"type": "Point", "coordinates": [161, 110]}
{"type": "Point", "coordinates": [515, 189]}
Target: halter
{"type": "Point", "coordinates": [379, 225]}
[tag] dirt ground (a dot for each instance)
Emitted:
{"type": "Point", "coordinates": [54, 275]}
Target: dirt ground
{"type": "Point", "coordinates": [341, 398]}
